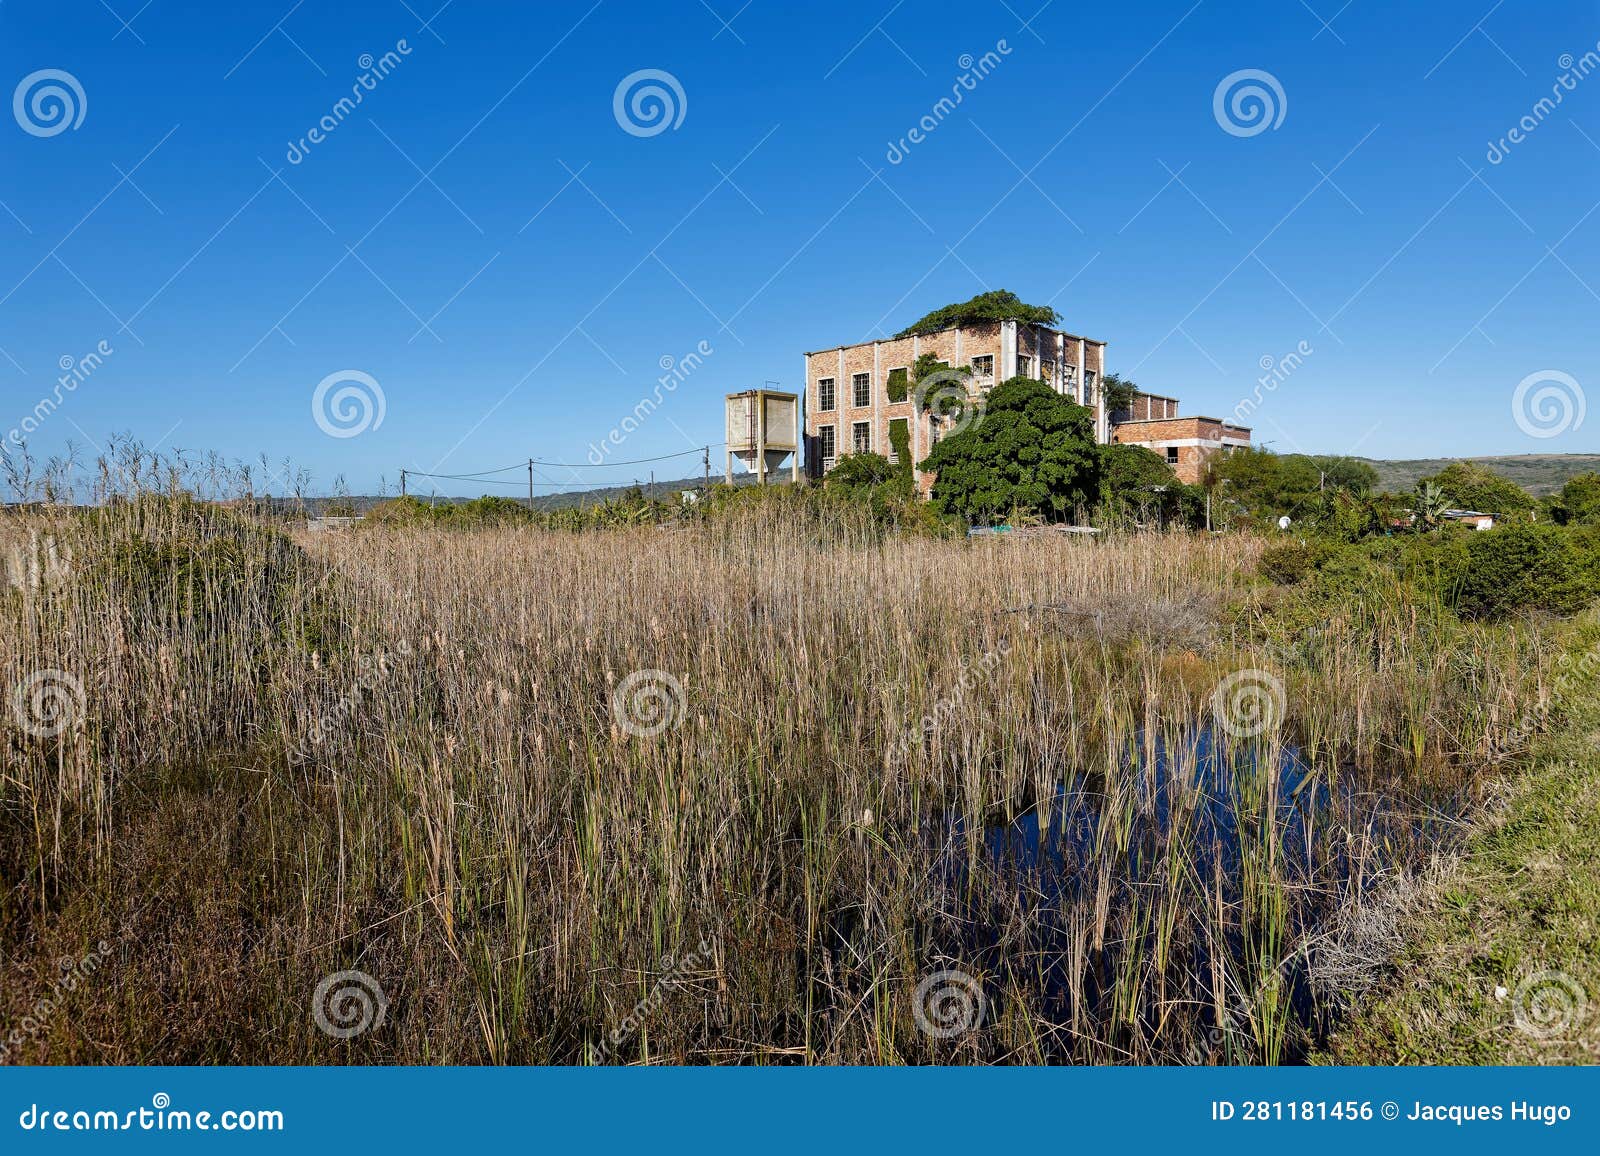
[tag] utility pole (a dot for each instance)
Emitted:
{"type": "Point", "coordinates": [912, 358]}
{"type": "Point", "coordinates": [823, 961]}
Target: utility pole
{"type": "Point", "coordinates": [707, 461]}
{"type": "Point", "coordinates": [652, 485]}
{"type": "Point", "coordinates": [530, 485]}
{"type": "Point", "coordinates": [402, 483]}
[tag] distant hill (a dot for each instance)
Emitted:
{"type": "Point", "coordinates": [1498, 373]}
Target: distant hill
{"type": "Point", "coordinates": [1539, 474]}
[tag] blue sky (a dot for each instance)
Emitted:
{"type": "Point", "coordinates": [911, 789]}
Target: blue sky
{"type": "Point", "coordinates": [483, 238]}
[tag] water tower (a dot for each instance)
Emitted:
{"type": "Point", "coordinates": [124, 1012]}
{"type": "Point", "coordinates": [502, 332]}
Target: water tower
{"type": "Point", "coordinates": [763, 429]}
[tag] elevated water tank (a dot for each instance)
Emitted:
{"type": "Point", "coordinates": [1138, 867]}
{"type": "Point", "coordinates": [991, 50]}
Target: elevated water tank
{"type": "Point", "coordinates": [763, 429]}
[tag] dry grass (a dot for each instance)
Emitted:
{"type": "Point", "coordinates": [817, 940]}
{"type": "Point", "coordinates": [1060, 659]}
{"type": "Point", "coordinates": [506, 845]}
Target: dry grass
{"type": "Point", "coordinates": [399, 750]}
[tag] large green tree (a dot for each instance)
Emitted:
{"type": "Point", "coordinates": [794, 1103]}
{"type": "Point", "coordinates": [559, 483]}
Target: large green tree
{"type": "Point", "coordinates": [1027, 447]}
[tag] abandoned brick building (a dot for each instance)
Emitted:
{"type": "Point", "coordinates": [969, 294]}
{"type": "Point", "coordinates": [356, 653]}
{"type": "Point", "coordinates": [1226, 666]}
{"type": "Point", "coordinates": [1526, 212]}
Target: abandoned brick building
{"type": "Point", "coordinates": [858, 400]}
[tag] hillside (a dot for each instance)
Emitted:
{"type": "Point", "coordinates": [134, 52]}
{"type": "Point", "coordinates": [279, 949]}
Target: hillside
{"type": "Point", "coordinates": [1539, 474]}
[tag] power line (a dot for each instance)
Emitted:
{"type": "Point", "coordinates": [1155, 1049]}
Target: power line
{"type": "Point", "coordinates": [631, 462]}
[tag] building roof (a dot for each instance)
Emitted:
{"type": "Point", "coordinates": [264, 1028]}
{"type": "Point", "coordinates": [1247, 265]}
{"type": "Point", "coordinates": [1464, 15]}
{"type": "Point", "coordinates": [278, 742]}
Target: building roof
{"type": "Point", "coordinates": [946, 329]}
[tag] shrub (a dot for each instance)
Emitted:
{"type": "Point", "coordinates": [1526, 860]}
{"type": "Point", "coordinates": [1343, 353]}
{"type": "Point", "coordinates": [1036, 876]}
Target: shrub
{"type": "Point", "coordinates": [1286, 562]}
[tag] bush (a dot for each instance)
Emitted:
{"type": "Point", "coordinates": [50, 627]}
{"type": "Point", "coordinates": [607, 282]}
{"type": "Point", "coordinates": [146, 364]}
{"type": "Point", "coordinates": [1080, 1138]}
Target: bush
{"type": "Point", "coordinates": [1528, 567]}
{"type": "Point", "coordinates": [1286, 562]}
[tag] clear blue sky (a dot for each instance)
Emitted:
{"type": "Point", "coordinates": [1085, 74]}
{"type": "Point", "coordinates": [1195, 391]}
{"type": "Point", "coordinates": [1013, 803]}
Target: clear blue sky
{"type": "Point", "coordinates": [519, 298]}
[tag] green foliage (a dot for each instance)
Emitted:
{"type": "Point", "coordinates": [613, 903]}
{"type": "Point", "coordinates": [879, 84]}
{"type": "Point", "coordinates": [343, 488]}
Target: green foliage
{"type": "Point", "coordinates": [900, 442]}
{"type": "Point", "coordinates": [1579, 503]}
{"type": "Point", "coordinates": [897, 386]}
{"type": "Point", "coordinates": [1118, 393]}
{"type": "Point", "coordinates": [1126, 470]}
{"type": "Point", "coordinates": [855, 471]}
{"type": "Point", "coordinates": [999, 305]}
{"type": "Point", "coordinates": [1469, 486]}
{"type": "Point", "coordinates": [1030, 448]}
{"type": "Point", "coordinates": [1352, 475]}
{"type": "Point", "coordinates": [1429, 505]}
{"type": "Point", "coordinates": [1529, 567]}
{"type": "Point", "coordinates": [1286, 562]}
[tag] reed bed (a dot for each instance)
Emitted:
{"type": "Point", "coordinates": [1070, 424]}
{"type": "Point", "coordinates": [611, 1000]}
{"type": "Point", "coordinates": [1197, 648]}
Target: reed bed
{"type": "Point", "coordinates": [755, 789]}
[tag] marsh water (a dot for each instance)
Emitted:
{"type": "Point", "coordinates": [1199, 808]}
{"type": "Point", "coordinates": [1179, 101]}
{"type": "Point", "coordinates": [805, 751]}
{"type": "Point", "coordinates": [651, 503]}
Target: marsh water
{"type": "Point", "coordinates": [1253, 850]}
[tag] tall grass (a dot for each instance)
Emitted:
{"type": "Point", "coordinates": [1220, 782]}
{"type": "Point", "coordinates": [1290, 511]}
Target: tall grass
{"type": "Point", "coordinates": [401, 750]}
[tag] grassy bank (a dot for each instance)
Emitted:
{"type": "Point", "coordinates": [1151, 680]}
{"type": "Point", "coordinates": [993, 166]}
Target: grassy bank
{"type": "Point", "coordinates": [1502, 956]}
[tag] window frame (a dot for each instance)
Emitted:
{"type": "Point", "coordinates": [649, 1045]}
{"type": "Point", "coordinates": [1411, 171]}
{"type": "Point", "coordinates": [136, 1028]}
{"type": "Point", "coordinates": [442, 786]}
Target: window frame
{"type": "Point", "coordinates": [828, 433]}
{"type": "Point", "coordinates": [855, 446]}
{"type": "Point", "coordinates": [827, 395]}
{"type": "Point", "coordinates": [860, 385]}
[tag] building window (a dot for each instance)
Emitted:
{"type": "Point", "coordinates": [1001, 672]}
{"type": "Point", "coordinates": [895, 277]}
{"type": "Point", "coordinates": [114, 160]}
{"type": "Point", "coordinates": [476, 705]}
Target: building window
{"type": "Point", "coordinates": [1025, 366]}
{"type": "Point", "coordinates": [861, 389]}
{"type": "Point", "coordinates": [983, 366]}
{"type": "Point", "coordinates": [826, 446]}
{"type": "Point", "coordinates": [825, 395]}
{"type": "Point", "coordinates": [1088, 385]}
{"type": "Point", "coordinates": [1172, 455]}
{"type": "Point", "coordinates": [861, 437]}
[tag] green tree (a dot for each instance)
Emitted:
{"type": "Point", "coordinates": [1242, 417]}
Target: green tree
{"type": "Point", "coordinates": [1266, 484]}
{"type": "Point", "coordinates": [861, 471]}
{"type": "Point", "coordinates": [999, 305]}
{"type": "Point", "coordinates": [1469, 486]}
{"type": "Point", "coordinates": [1349, 474]}
{"type": "Point", "coordinates": [1118, 393]}
{"type": "Point", "coordinates": [1027, 448]}
{"type": "Point", "coordinates": [1580, 500]}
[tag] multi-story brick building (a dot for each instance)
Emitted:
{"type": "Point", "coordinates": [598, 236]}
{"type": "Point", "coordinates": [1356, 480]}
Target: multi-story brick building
{"type": "Point", "coordinates": [1152, 421]}
{"type": "Point", "coordinates": [858, 397]}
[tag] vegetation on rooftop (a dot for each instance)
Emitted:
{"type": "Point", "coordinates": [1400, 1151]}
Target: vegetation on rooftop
{"type": "Point", "coordinates": [997, 305]}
